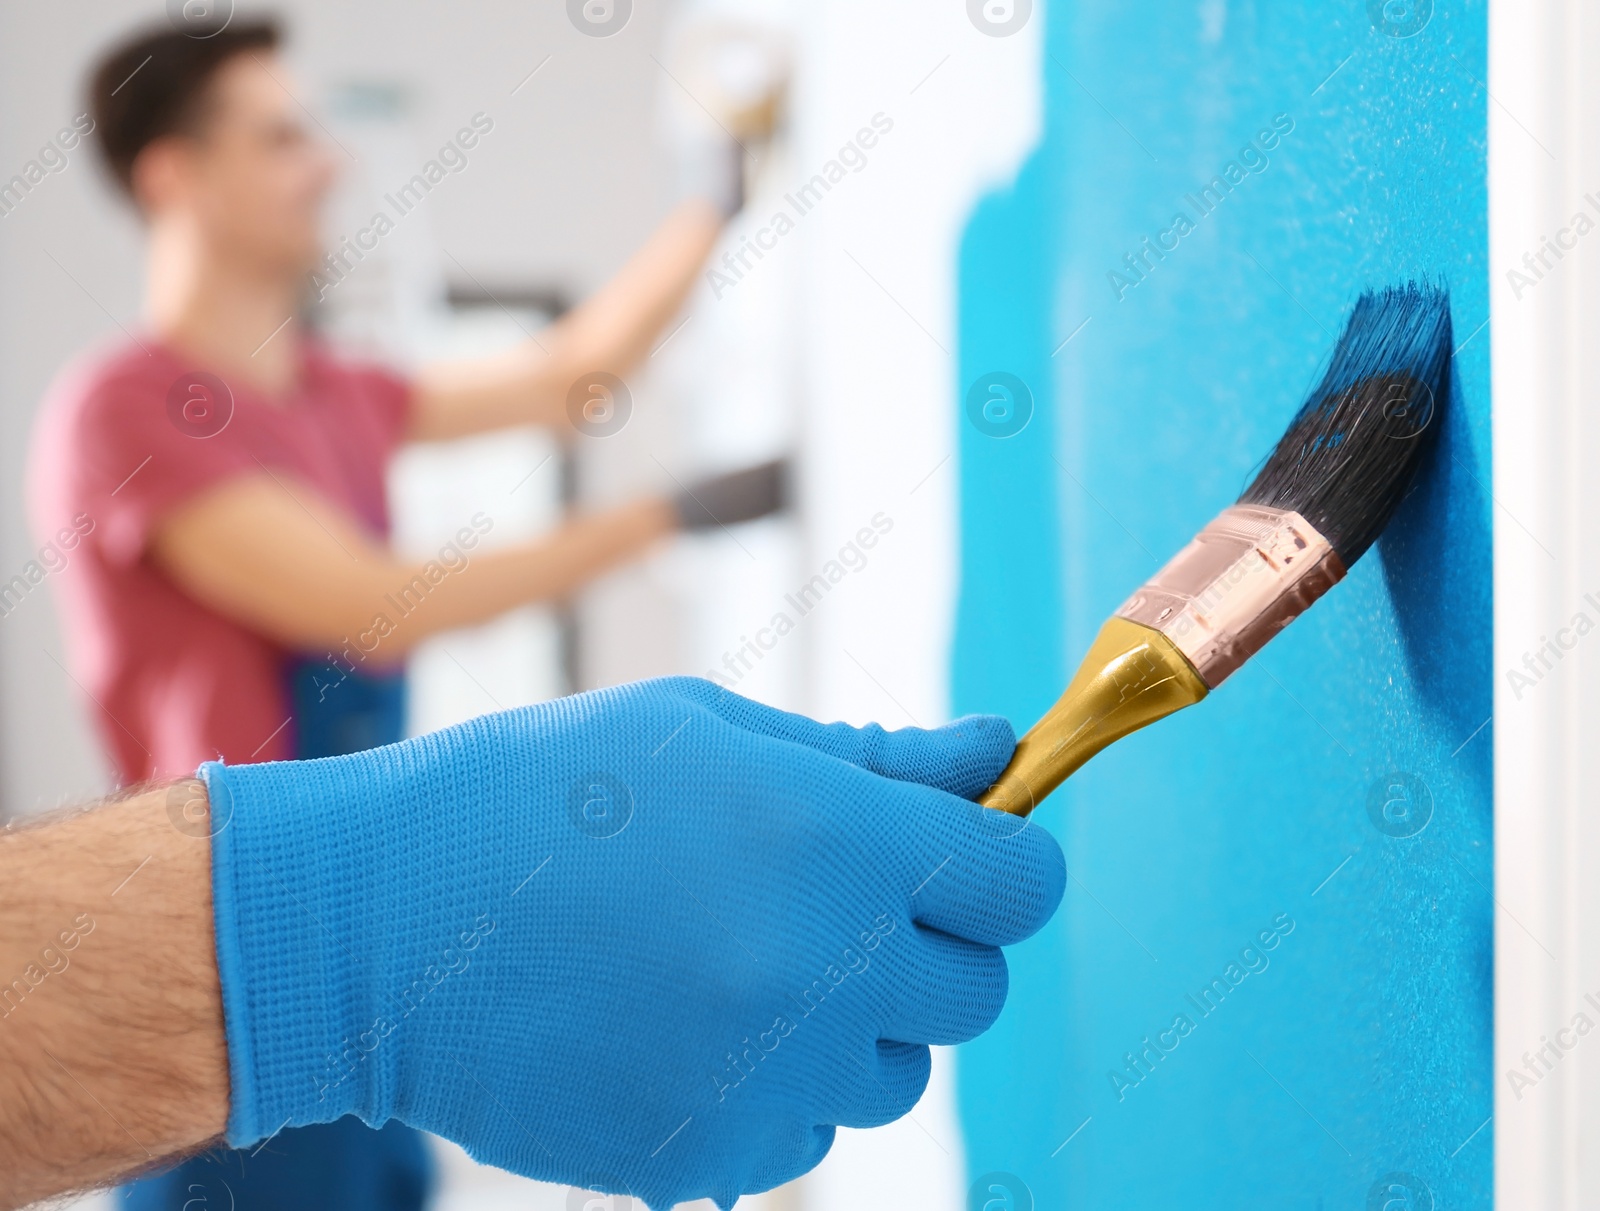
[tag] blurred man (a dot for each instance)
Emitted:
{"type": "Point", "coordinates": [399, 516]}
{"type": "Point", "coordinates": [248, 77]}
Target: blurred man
{"type": "Point", "coordinates": [231, 593]}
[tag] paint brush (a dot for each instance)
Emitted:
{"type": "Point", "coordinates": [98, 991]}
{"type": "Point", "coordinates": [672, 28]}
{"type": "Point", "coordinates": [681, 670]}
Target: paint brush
{"type": "Point", "coordinates": [1319, 501]}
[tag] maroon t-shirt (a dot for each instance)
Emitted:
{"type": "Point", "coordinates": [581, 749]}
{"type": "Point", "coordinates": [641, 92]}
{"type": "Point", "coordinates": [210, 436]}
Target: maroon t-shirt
{"type": "Point", "coordinates": [124, 438]}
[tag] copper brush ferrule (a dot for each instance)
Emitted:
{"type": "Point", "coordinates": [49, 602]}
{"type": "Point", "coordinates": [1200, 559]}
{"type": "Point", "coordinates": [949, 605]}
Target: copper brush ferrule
{"type": "Point", "coordinates": [1242, 579]}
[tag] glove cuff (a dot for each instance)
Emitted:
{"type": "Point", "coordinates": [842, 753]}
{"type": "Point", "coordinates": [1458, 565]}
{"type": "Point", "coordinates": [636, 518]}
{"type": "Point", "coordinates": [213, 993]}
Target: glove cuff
{"type": "Point", "coordinates": [280, 968]}
{"type": "Point", "coordinates": [243, 1105]}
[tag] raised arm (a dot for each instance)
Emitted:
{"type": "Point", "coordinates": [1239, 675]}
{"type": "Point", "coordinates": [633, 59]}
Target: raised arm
{"type": "Point", "coordinates": [282, 560]}
{"type": "Point", "coordinates": [611, 332]}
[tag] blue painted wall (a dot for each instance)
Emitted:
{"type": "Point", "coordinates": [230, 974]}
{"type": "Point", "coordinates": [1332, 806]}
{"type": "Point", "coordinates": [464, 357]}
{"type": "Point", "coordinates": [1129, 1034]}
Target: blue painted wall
{"type": "Point", "coordinates": [1356, 1056]}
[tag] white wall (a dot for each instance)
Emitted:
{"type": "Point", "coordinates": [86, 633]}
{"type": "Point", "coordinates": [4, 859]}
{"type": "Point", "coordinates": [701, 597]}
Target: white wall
{"type": "Point", "coordinates": [878, 329]}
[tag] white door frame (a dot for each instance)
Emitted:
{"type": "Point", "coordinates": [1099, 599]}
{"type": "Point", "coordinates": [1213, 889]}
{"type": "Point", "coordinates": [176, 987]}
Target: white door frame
{"type": "Point", "coordinates": [1544, 157]}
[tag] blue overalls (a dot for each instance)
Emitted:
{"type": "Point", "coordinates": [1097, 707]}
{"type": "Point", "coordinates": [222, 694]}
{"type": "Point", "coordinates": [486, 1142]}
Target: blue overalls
{"type": "Point", "coordinates": [339, 1166]}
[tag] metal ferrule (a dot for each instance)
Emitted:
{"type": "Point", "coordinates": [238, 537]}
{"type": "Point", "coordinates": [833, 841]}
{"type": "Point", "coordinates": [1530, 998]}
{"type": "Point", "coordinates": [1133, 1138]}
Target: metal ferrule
{"type": "Point", "coordinates": [1131, 677]}
{"type": "Point", "coordinates": [1243, 578]}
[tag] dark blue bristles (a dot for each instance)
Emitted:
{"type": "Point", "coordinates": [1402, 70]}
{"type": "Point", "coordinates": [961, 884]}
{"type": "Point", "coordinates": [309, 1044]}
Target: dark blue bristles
{"type": "Point", "coordinates": [1353, 448]}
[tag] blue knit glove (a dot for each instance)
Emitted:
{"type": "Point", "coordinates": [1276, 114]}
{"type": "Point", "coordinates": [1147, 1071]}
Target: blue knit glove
{"type": "Point", "coordinates": [656, 940]}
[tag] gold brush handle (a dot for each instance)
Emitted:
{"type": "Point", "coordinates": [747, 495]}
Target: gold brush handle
{"type": "Point", "coordinates": [1133, 675]}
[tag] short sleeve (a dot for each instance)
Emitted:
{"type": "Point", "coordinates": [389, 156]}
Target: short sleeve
{"type": "Point", "coordinates": [383, 400]}
{"type": "Point", "coordinates": [147, 443]}
{"type": "Point", "coordinates": [360, 413]}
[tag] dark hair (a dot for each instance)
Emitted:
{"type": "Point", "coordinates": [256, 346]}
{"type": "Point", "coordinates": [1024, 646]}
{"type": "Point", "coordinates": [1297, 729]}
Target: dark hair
{"type": "Point", "coordinates": [154, 83]}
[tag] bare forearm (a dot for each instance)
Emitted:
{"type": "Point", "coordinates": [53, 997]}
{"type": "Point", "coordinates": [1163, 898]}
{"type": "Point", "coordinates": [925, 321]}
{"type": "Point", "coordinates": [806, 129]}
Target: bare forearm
{"type": "Point", "coordinates": [618, 326]}
{"type": "Point", "coordinates": [548, 569]}
{"type": "Point", "coordinates": [299, 570]}
{"type": "Point", "coordinates": [611, 332]}
{"type": "Point", "coordinates": [386, 606]}
{"type": "Point", "coordinates": [112, 1052]}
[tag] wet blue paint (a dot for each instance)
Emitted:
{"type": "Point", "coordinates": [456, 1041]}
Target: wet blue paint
{"type": "Point", "coordinates": [1359, 1057]}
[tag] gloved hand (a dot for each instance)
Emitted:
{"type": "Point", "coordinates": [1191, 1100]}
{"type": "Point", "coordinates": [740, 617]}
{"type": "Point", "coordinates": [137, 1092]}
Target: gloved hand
{"type": "Point", "coordinates": [656, 940]}
{"type": "Point", "coordinates": [711, 165]}
{"type": "Point", "coordinates": [724, 96]}
{"type": "Point", "coordinates": [734, 496]}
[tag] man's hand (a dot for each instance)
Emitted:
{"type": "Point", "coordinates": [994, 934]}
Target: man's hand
{"type": "Point", "coordinates": [111, 1039]}
{"type": "Point", "coordinates": [656, 939]}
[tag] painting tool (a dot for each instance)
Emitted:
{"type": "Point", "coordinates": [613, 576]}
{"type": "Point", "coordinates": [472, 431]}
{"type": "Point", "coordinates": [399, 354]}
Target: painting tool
{"type": "Point", "coordinates": [1319, 501]}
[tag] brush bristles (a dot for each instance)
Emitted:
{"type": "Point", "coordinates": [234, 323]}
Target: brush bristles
{"type": "Point", "coordinates": [1353, 448]}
